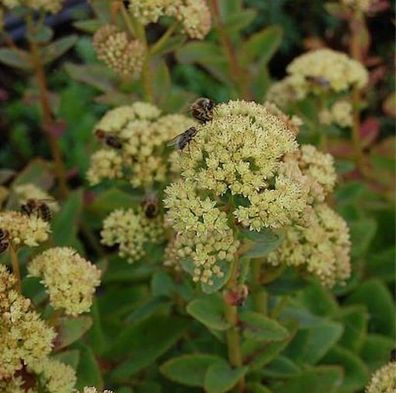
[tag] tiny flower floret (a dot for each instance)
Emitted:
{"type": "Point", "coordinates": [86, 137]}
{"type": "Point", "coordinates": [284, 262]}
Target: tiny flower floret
{"type": "Point", "coordinates": [383, 380]}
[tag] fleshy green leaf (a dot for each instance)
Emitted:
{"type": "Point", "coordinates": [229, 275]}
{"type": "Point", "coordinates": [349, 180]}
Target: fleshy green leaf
{"type": "Point", "coordinates": [71, 357]}
{"type": "Point", "coordinates": [144, 342]}
{"type": "Point", "coordinates": [218, 282]}
{"type": "Point", "coordinates": [362, 233]}
{"type": "Point", "coordinates": [57, 48]}
{"type": "Point", "coordinates": [209, 311]}
{"type": "Point", "coordinates": [354, 320]}
{"type": "Point", "coordinates": [71, 329]}
{"type": "Point", "coordinates": [220, 377]}
{"type": "Point", "coordinates": [88, 371]}
{"type": "Point", "coordinates": [240, 20]}
{"type": "Point", "coordinates": [13, 58]}
{"type": "Point", "coordinates": [262, 45]}
{"type": "Point", "coordinates": [258, 327]}
{"type": "Point", "coordinates": [376, 350]}
{"type": "Point", "coordinates": [261, 243]}
{"type": "Point", "coordinates": [189, 370]}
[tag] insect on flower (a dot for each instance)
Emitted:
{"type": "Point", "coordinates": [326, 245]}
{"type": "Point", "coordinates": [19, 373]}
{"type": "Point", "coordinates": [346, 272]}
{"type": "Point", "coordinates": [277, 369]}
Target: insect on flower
{"type": "Point", "coordinates": [150, 206]}
{"type": "Point", "coordinates": [108, 139]}
{"type": "Point", "coordinates": [182, 140]}
{"type": "Point", "coordinates": [202, 110]}
{"type": "Point", "coordinates": [318, 80]}
{"type": "Point", "coordinates": [4, 240]}
{"type": "Point", "coordinates": [38, 207]}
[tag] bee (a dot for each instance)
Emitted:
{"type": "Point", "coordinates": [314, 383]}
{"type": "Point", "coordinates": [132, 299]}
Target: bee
{"type": "Point", "coordinates": [202, 110]}
{"type": "Point", "coordinates": [150, 206]}
{"type": "Point", "coordinates": [318, 80]}
{"type": "Point", "coordinates": [38, 207]}
{"type": "Point", "coordinates": [4, 240]}
{"type": "Point", "coordinates": [183, 139]}
{"type": "Point", "coordinates": [109, 139]}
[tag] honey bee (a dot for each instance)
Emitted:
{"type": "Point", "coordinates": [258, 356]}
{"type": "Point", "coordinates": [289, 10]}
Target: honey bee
{"type": "Point", "coordinates": [38, 207]}
{"type": "Point", "coordinates": [202, 110]}
{"type": "Point", "coordinates": [318, 80]}
{"type": "Point", "coordinates": [150, 206]}
{"type": "Point", "coordinates": [182, 140]}
{"type": "Point", "coordinates": [109, 139]}
{"type": "Point", "coordinates": [4, 240]}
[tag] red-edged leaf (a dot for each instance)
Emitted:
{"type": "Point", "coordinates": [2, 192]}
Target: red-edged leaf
{"type": "Point", "coordinates": [369, 131]}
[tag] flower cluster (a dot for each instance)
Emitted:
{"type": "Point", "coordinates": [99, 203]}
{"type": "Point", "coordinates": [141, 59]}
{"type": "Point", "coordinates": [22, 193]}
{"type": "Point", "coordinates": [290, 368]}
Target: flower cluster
{"type": "Point", "coordinates": [314, 170]}
{"type": "Point", "coordinates": [130, 231]}
{"type": "Point", "coordinates": [317, 72]}
{"type": "Point", "coordinates": [23, 229]}
{"type": "Point", "coordinates": [57, 377]}
{"type": "Point", "coordinates": [123, 55]}
{"type": "Point", "coordinates": [70, 279]}
{"type": "Point", "coordinates": [46, 5]}
{"type": "Point", "coordinates": [383, 380]}
{"type": "Point", "coordinates": [93, 390]}
{"type": "Point", "coordinates": [340, 114]}
{"type": "Point", "coordinates": [142, 133]}
{"type": "Point", "coordinates": [31, 191]}
{"type": "Point", "coordinates": [321, 245]}
{"type": "Point", "coordinates": [26, 340]}
{"type": "Point", "coordinates": [360, 5]}
{"type": "Point", "coordinates": [233, 172]}
{"type": "Point", "coordinates": [204, 235]}
{"type": "Point", "coordinates": [194, 15]}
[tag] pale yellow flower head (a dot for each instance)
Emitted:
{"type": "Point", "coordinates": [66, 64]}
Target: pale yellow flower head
{"type": "Point", "coordinates": [14, 384]}
{"type": "Point", "coordinates": [45, 5]}
{"type": "Point", "coordinates": [130, 231]}
{"type": "Point", "coordinates": [383, 380]}
{"type": "Point", "coordinates": [123, 55]}
{"type": "Point", "coordinates": [314, 170]}
{"type": "Point", "coordinates": [93, 390]}
{"type": "Point", "coordinates": [193, 15]}
{"type": "Point", "coordinates": [31, 191]}
{"type": "Point", "coordinates": [143, 134]}
{"type": "Point", "coordinates": [25, 338]}
{"type": "Point", "coordinates": [340, 113]}
{"type": "Point", "coordinates": [57, 377]}
{"type": "Point", "coordinates": [24, 230]}
{"type": "Point", "coordinates": [69, 279]}
{"type": "Point", "coordinates": [335, 68]}
{"type": "Point", "coordinates": [320, 244]}
{"type": "Point", "coordinates": [360, 5]}
{"type": "Point", "coordinates": [203, 233]}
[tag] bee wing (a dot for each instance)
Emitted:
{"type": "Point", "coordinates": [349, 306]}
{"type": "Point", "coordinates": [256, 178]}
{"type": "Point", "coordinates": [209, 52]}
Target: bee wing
{"type": "Point", "coordinates": [175, 141]}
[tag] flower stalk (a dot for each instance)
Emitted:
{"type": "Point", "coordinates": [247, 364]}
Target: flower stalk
{"type": "Point", "coordinates": [15, 267]}
{"type": "Point", "coordinates": [39, 72]}
{"type": "Point", "coordinates": [232, 334]}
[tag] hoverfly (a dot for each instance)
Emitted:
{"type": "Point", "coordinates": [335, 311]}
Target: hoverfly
{"type": "Point", "coordinates": [38, 207]}
{"type": "Point", "coordinates": [4, 240]}
{"type": "Point", "coordinates": [182, 140]}
{"type": "Point", "coordinates": [318, 80]}
{"type": "Point", "coordinates": [109, 139]}
{"type": "Point", "coordinates": [202, 110]}
{"type": "Point", "coordinates": [150, 206]}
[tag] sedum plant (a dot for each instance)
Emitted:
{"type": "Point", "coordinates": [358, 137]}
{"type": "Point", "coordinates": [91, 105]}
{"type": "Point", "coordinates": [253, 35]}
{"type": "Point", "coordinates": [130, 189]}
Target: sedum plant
{"type": "Point", "coordinates": [239, 243]}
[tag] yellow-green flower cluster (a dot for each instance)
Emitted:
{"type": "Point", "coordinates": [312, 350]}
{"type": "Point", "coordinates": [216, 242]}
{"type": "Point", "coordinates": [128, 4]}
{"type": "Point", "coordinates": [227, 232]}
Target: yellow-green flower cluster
{"type": "Point", "coordinates": [46, 5]}
{"type": "Point", "coordinates": [69, 279]}
{"type": "Point", "coordinates": [143, 134]}
{"type": "Point", "coordinates": [383, 380]}
{"type": "Point", "coordinates": [57, 377]}
{"type": "Point", "coordinates": [233, 171]}
{"type": "Point", "coordinates": [31, 191]}
{"type": "Point", "coordinates": [320, 245]}
{"type": "Point", "coordinates": [194, 15]}
{"type": "Point", "coordinates": [360, 5]}
{"type": "Point", "coordinates": [314, 170]}
{"type": "Point", "coordinates": [14, 385]}
{"type": "Point", "coordinates": [204, 235]}
{"type": "Point", "coordinates": [123, 55]}
{"type": "Point", "coordinates": [26, 340]}
{"type": "Point", "coordinates": [130, 231]}
{"type": "Point", "coordinates": [24, 230]}
{"type": "Point", "coordinates": [317, 72]}
{"type": "Point", "coordinates": [93, 390]}
{"type": "Point", "coordinates": [340, 114]}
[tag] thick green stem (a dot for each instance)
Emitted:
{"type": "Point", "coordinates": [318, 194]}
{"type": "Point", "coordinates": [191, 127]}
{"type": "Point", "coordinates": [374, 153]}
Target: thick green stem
{"type": "Point", "coordinates": [15, 267]}
{"type": "Point", "coordinates": [232, 333]}
{"type": "Point", "coordinates": [164, 39]}
{"type": "Point", "coordinates": [260, 297]}
{"type": "Point", "coordinates": [237, 73]}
